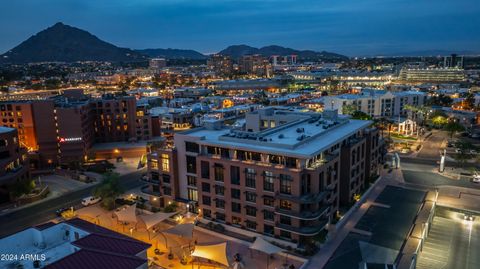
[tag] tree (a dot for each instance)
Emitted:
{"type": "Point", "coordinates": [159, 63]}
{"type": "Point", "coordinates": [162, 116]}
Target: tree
{"type": "Point", "coordinates": [469, 102]}
{"type": "Point", "coordinates": [453, 127]}
{"type": "Point", "coordinates": [439, 121]}
{"type": "Point", "coordinates": [438, 118]}
{"type": "Point", "coordinates": [360, 115]}
{"type": "Point", "coordinates": [441, 100]}
{"type": "Point", "coordinates": [23, 187]}
{"type": "Point", "coordinates": [384, 123]}
{"type": "Point", "coordinates": [348, 109]}
{"type": "Point", "coordinates": [463, 152]}
{"type": "Point", "coordinates": [109, 189]}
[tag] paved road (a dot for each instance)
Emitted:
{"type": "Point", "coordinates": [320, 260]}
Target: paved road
{"type": "Point", "coordinates": [42, 212]}
{"type": "Point", "coordinates": [452, 243]}
{"type": "Point", "coordinates": [431, 146]}
{"type": "Point", "coordinates": [422, 174]}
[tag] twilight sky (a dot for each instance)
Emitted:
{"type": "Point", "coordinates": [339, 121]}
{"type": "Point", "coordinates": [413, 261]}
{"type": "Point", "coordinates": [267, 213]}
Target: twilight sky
{"type": "Point", "coordinates": [351, 27]}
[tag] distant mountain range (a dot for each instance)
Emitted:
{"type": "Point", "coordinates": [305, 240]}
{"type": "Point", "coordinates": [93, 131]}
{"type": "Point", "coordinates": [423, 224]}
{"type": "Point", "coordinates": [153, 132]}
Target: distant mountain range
{"type": "Point", "coordinates": [64, 43]}
{"type": "Point", "coordinates": [237, 51]}
{"type": "Point", "coordinates": [174, 54]}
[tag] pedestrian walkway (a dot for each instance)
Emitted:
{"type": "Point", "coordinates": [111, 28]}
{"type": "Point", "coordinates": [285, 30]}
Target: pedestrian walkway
{"type": "Point", "coordinates": [322, 257]}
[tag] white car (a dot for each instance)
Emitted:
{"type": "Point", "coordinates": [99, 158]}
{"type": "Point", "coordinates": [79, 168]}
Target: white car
{"type": "Point", "coordinates": [90, 200]}
{"type": "Point", "coordinates": [476, 178]}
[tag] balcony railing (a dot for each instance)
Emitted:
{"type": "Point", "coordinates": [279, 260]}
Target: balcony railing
{"type": "Point", "coordinates": [304, 214]}
{"type": "Point", "coordinates": [303, 199]}
{"type": "Point", "coordinates": [150, 180]}
{"type": "Point", "coordinates": [304, 230]}
{"type": "Point", "coordinates": [147, 190]}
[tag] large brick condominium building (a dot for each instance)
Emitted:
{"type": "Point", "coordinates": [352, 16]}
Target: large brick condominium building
{"type": "Point", "coordinates": [282, 173]}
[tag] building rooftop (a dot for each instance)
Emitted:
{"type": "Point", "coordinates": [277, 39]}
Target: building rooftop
{"type": "Point", "coordinates": [124, 246]}
{"type": "Point", "coordinates": [96, 260]}
{"type": "Point", "coordinates": [96, 247]}
{"type": "Point", "coordinates": [6, 129]}
{"type": "Point", "coordinates": [305, 137]}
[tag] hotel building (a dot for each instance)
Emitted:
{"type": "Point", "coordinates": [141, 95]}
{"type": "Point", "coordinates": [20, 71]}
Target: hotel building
{"type": "Point", "coordinates": [376, 103]}
{"type": "Point", "coordinates": [279, 174]}
{"type": "Point", "coordinates": [63, 129]}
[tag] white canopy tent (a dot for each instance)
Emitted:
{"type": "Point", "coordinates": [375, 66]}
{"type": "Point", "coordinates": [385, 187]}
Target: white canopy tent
{"type": "Point", "coordinates": [92, 212]}
{"type": "Point", "coordinates": [127, 214]}
{"type": "Point", "coordinates": [183, 230]}
{"type": "Point", "coordinates": [261, 245]}
{"type": "Point", "coordinates": [217, 253]}
{"type": "Point", "coordinates": [155, 218]}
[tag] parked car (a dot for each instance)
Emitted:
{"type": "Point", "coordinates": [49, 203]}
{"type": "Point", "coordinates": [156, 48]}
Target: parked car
{"type": "Point", "coordinates": [59, 211]}
{"type": "Point", "coordinates": [90, 200]}
{"type": "Point", "coordinates": [476, 178]}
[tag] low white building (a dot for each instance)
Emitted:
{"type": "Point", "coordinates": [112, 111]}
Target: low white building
{"type": "Point", "coordinates": [376, 103]}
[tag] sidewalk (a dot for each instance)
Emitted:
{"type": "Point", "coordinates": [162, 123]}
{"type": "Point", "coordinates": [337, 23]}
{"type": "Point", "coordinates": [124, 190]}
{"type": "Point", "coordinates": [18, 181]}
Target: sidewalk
{"type": "Point", "coordinates": [58, 186]}
{"type": "Point", "coordinates": [322, 257]}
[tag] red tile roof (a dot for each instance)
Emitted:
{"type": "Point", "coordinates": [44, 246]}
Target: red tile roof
{"type": "Point", "coordinates": [45, 225]}
{"type": "Point", "coordinates": [102, 249]}
{"type": "Point", "coordinates": [111, 244]}
{"type": "Point", "coordinates": [86, 259]}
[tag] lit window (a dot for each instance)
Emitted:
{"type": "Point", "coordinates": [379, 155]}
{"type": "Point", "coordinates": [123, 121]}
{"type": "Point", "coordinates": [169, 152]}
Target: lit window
{"type": "Point", "coordinates": [165, 163]}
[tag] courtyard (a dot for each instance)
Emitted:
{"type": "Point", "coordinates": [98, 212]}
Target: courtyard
{"type": "Point", "coordinates": [173, 250]}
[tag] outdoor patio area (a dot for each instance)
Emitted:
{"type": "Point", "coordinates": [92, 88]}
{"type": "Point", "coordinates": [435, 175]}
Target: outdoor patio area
{"type": "Point", "coordinates": [173, 241]}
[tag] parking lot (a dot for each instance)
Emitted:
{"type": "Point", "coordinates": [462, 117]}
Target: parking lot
{"type": "Point", "coordinates": [452, 243]}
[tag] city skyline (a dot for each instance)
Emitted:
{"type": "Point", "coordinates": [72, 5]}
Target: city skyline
{"type": "Point", "coordinates": [393, 28]}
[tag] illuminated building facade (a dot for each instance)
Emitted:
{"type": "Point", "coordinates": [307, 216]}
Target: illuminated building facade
{"type": "Point", "coordinates": [222, 65]}
{"type": "Point", "coordinates": [62, 129]}
{"type": "Point", "coordinates": [279, 175]}
{"type": "Point", "coordinates": [439, 75]}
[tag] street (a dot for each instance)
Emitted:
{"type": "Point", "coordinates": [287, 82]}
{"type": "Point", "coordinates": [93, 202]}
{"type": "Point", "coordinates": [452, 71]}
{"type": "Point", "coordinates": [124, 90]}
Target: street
{"type": "Point", "coordinates": [431, 146]}
{"type": "Point", "coordinates": [423, 174]}
{"type": "Point", "coordinates": [42, 212]}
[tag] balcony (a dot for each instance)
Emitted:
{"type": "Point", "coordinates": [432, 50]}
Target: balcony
{"type": "Point", "coordinates": [303, 199]}
{"type": "Point", "coordinates": [149, 180]}
{"type": "Point", "coordinates": [320, 162]}
{"type": "Point", "coordinates": [304, 230]}
{"type": "Point", "coordinates": [146, 190]}
{"type": "Point", "coordinates": [13, 174]}
{"type": "Point", "coordinates": [304, 214]}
